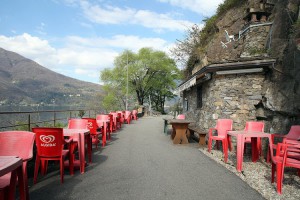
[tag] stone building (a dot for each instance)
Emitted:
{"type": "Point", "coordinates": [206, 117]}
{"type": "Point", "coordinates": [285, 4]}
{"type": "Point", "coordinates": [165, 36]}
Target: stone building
{"type": "Point", "coordinates": [250, 70]}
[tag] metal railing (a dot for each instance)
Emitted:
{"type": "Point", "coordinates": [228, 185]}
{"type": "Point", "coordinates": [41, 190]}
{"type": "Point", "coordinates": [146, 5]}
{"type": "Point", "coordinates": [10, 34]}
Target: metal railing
{"type": "Point", "coordinates": [15, 120]}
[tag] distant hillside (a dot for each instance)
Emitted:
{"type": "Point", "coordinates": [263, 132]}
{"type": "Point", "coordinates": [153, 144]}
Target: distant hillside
{"type": "Point", "coordinates": [23, 81]}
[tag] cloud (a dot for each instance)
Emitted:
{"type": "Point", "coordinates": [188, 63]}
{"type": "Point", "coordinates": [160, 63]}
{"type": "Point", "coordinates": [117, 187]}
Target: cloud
{"type": "Point", "coordinates": [115, 15]}
{"type": "Point", "coordinates": [79, 55]}
{"type": "Point", "coordinates": [203, 7]}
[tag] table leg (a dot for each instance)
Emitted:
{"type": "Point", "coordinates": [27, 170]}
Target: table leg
{"type": "Point", "coordinates": [165, 126]}
{"type": "Point", "coordinates": [89, 146]}
{"type": "Point", "coordinates": [104, 134]}
{"type": "Point", "coordinates": [82, 153]}
{"type": "Point", "coordinates": [21, 181]}
{"type": "Point", "coordinates": [180, 136]}
{"type": "Point", "coordinates": [239, 152]}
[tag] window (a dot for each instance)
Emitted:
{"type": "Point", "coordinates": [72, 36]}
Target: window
{"type": "Point", "coordinates": [186, 104]}
{"type": "Point", "coordinates": [199, 96]}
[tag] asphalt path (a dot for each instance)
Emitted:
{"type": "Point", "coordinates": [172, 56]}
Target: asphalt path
{"type": "Point", "coordinates": [141, 162]}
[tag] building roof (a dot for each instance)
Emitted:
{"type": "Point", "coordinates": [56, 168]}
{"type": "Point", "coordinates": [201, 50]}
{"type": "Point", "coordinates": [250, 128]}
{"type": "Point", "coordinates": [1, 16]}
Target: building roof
{"type": "Point", "coordinates": [229, 67]}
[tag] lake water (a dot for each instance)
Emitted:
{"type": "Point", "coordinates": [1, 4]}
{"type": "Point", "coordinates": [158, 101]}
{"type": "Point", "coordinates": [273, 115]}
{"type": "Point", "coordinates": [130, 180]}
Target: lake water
{"type": "Point", "coordinates": [38, 119]}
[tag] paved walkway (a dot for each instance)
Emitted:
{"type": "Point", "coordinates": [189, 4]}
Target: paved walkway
{"type": "Point", "coordinates": [142, 163]}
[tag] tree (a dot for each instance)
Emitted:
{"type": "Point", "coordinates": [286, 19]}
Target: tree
{"type": "Point", "coordinates": [186, 50]}
{"type": "Point", "coordinates": [150, 74]}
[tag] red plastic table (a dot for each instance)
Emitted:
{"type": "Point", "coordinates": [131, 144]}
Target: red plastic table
{"type": "Point", "coordinates": [240, 136]}
{"type": "Point", "coordinates": [80, 135]}
{"type": "Point", "coordinates": [180, 126]}
{"type": "Point", "coordinates": [14, 165]}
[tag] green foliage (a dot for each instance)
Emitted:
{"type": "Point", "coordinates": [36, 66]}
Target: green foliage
{"type": "Point", "coordinates": [208, 30]}
{"type": "Point", "coordinates": [81, 113]}
{"type": "Point", "coordinates": [256, 51]}
{"type": "Point", "coordinates": [23, 126]}
{"type": "Point", "coordinates": [150, 73]}
{"type": "Point", "coordinates": [296, 28]}
{"type": "Point", "coordinates": [228, 4]}
{"type": "Point", "coordinates": [176, 108]}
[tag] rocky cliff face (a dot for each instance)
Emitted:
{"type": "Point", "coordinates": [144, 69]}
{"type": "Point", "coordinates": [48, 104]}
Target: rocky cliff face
{"type": "Point", "coordinates": [257, 30]}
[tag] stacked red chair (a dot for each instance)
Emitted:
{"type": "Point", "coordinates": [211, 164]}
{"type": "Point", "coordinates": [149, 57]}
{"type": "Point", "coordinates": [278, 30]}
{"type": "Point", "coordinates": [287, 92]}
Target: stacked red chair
{"type": "Point", "coordinates": [293, 134]}
{"type": "Point", "coordinates": [287, 155]}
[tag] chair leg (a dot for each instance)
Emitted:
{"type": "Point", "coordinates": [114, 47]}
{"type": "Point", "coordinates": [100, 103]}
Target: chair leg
{"type": "Point", "coordinates": [36, 169]}
{"type": "Point", "coordinates": [229, 142]}
{"type": "Point", "coordinates": [273, 172]}
{"type": "Point", "coordinates": [225, 150]}
{"type": "Point", "coordinates": [268, 155]}
{"type": "Point", "coordinates": [89, 148]}
{"type": "Point", "coordinates": [209, 144]}
{"type": "Point", "coordinates": [25, 179]}
{"type": "Point", "coordinates": [279, 176]}
{"type": "Point", "coordinates": [61, 163]}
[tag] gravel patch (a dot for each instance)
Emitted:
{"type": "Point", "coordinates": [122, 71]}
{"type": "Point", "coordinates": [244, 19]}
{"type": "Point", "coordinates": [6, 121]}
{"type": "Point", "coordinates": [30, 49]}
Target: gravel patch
{"type": "Point", "coordinates": [258, 175]}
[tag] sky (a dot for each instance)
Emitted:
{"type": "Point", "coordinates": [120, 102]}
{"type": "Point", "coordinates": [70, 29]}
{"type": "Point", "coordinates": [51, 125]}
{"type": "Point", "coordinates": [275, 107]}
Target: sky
{"type": "Point", "coordinates": [79, 38]}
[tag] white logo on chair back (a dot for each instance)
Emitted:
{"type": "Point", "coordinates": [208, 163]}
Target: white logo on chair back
{"type": "Point", "coordinates": [47, 140]}
{"type": "Point", "coordinates": [90, 125]}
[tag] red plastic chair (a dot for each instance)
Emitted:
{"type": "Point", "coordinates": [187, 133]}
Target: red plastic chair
{"type": "Point", "coordinates": [117, 121]}
{"type": "Point", "coordinates": [293, 134]}
{"type": "Point", "coordinates": [16, 143]}
{"type": "Point", "coordinates": [114, 117]}
{"type": "Point", "coordinates": [78, 123]}
{"type": "Point", "coordinates": [134, 114]}
{"type": "Point", "coordinates": [128, 116]}
{"type": "Point", "coordinates": [181, 116]}
{"type": "Point", "coordinates": [50, 144]}
{"type": "Point", "coordinates": [287, 155]}
{"type": "Point", "coordinates": [94, 131]}
{"type": "Point", "coordinates": [255, 126]}
{"type": "Point", "coordinates": [122, 119]}
{"type": "Point", "coordinates": [102, 120]}
{"type": "Point", "coordinates": [223, 125]}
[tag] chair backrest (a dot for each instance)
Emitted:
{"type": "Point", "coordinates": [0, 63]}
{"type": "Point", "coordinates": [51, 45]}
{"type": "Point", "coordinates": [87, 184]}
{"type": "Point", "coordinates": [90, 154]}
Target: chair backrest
{"type": "Point", "coordinates": [17, 143]}
{"type": "Point", "coordinates": [181, 116]}
{"type": "Point", "coordinates": [223, 125]}
{"type": "Point", "coordinates": [134, 112]}
{"type": "Point", "coordinates": [92, 125]}
{"type": "Point", "coordinates": [127, 113]}
{"type": "Point", "coordinates": [49, 141]}
{"type": "Point", "coordinates": [100, 118]}
{"type": "Point", "coordinates": [255, 126]}
{"type": "Point", "coordinates": [294, 133]}
{"type": "Point", "coordinates": [78, 123]}
{"type": "Point", "coordinates": [121, 112]}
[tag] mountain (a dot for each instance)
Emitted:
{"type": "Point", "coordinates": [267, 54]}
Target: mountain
{"type": "Point", "coordinates": [23, 81]}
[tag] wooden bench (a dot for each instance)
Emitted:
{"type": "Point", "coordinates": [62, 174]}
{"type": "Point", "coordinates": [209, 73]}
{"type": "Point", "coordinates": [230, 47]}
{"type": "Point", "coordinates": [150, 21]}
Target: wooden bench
{"type": "Point", "coordinates": [201, 134]}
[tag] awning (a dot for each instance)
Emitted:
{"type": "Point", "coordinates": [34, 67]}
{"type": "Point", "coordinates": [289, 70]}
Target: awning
{"type": "Point", "coordinates": [186, 85]}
